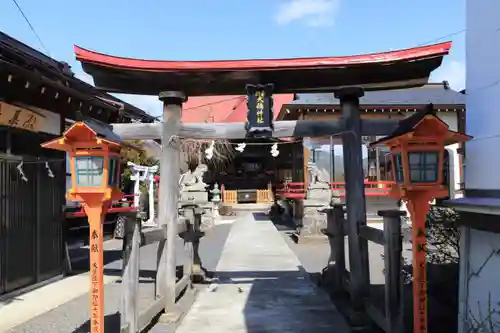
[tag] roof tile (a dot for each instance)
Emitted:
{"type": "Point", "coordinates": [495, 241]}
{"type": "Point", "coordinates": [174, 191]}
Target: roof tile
{"type": "Point", "coordinates": [435, 93]}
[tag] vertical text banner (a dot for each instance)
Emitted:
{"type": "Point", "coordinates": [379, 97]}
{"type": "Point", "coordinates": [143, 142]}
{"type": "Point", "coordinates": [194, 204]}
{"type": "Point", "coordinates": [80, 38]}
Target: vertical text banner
{"type": "Point", "coordinates": [260, 109]}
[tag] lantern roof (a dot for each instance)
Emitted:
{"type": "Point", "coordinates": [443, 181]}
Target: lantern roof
{"type": "Point", "coordinates": [418, 119]}
{"type": "Point", "coordinates": [84, 131]}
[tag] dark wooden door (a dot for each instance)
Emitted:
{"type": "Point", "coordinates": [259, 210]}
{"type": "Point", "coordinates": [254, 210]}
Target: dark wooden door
{"type": "Point", "coordinates": [18, 220]}
{"type": "Point", "coordinates": [31, 244]}
{"type": "Point", "coordinates": [50, 200]}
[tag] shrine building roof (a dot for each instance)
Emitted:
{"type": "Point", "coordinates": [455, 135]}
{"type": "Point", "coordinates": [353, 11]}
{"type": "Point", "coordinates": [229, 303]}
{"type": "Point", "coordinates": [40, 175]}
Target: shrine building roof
{"type": "Point", "coordinates": [30, 77]}
{"type": "Point", "coordinates": [439, 94]}
{"type": "Point", "coordinates": [410, 124]}
{"type": "Point", "coordinates": [375, 71]}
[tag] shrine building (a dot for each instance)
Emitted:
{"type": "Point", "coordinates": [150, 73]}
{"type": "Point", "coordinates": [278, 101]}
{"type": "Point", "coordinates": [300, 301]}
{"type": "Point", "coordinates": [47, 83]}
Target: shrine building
{"type": "Point", "coordinates": [252, 170]}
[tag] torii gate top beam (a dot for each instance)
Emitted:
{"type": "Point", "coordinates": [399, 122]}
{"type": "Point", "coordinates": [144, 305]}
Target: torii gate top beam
{"type": "Point", "coordinates": [388, 70]}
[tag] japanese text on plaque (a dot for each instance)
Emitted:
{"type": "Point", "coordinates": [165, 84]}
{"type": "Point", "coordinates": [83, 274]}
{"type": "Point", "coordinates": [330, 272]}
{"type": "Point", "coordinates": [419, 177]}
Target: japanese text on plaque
{"type": "Point", "coordinates": [260, 106]}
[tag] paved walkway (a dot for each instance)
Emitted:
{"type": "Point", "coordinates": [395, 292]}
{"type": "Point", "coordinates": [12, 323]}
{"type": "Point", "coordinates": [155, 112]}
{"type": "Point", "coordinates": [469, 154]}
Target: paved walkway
{"type": "Point", "coordinates": [262, 288]}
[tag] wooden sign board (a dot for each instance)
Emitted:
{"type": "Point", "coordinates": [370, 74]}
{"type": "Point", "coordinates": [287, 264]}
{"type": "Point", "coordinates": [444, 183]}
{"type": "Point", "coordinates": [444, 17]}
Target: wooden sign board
{"type": "Point", "coordinates": [260, 108]}
{"type": "Point", "coordinates": [18, 117]}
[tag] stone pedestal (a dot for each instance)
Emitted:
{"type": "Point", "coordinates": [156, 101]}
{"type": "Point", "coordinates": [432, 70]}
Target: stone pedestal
{"type": "Point", "coordinates": [321, 193]}
{"type": "Point", "coordinates": [208, 215]}
{"type": "Point", "coordinates": [198, 196]}
{"type": "Point", "coordinates": [313, 219]}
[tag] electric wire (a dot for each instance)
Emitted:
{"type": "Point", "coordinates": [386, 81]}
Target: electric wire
{"type": "Point", "coordinates": [31, 26]}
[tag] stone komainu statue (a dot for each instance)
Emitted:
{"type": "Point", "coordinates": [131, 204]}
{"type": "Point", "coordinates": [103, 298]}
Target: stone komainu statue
{"type": "Point", "coordinates": [193, 180]}
{"type": "Point", "coordinates": [316, 175]}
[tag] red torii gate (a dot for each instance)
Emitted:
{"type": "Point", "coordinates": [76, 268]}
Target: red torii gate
{"type": "Point", "coordinates": [347, 77]}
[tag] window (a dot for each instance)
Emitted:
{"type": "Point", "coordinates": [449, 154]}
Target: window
{"type": "Point", "coordinates": [446, 170]}
{"type": "Point", "coordinates": [423, 166]}
{"type": "Point", "coordinates": [89, 170]}
{"type": "Point", "coordinates": [398, 168]}
{"type": "Point", "coordinates": [113, 176]}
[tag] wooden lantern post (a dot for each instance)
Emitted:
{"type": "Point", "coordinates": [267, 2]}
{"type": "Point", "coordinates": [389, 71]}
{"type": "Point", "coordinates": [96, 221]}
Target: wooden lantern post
{"type": "Point", "coordinates": [94, 153]}
{"type": "Point", "coordinates": [417, 148]}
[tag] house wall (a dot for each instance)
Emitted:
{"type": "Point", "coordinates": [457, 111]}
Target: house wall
{"type": "Point", "coordinates": [480, 250]}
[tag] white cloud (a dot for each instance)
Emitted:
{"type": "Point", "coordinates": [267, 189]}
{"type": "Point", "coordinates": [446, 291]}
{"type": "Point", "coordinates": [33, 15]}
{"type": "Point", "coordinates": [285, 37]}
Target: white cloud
{"type": "Point", "coordinates": [452, 71]}
{"type": "Point", "coordinates": [312, 12]}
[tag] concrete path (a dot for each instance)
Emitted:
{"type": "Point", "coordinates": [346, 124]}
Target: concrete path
{"type": "Point", "coordinates": [262, 288]}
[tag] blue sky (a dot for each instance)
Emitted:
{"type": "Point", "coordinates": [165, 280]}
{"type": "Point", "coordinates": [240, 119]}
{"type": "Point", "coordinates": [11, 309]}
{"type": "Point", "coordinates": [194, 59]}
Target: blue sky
{"type": "Point", "coordinates": [233, 29]}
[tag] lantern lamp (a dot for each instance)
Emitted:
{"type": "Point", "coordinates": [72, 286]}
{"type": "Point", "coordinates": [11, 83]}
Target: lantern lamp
{"type": "Point", "coordinates": [418, 161]}
{"type": "Point", "coordinates": [94, 152]}
{"type": "Point", "coordinates": [418, 148]}
{"type": "Point", "coordinates": [94, 157]}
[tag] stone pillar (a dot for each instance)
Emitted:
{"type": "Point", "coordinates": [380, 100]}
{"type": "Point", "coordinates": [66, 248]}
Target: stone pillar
{"type": "Point", "coordinates": [334, 273]}
{"type": "Point", "coordinates": [169, 196]}
{"type": "Point", "coordinates": [314, 217]}
{"type": "Point", "coordinates": [355, 193]}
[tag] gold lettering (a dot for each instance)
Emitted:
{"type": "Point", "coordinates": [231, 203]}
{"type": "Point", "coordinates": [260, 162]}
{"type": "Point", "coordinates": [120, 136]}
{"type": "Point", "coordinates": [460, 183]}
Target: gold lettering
{"type": "Point", "coordinates": [260, 106]}
{"type": "Point", "coordinates": [13, 116]}
{"type": "Point", "coordinates": [14, 120]}
{"type": "Point", "coordinates": [30, 123]}
{"type": "Point", "coordinates": [260, 117]}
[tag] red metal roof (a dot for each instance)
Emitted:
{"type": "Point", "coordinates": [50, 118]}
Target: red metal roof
{"type": "Point", "coordinates": [376, 71]}
{"type": "Point", "coordinates": [85, 55]}
{"type": "Point", "coordinates": [224, 109]}
{"type": "Point", "coordinates": [210, 109]}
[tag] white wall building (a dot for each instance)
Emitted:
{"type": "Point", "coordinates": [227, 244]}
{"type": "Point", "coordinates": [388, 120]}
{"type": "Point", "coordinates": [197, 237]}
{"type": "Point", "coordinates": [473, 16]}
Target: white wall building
{"type": "Point", "coordinates": [480, 208]}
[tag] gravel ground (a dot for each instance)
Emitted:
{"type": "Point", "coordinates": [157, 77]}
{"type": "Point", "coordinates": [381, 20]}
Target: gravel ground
{"type": "Point", "coordinates": [72, 317]}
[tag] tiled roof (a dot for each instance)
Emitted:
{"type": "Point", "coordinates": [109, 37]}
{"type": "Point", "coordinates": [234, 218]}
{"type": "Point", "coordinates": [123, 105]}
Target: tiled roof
{"type": "Point", "coordinates": [435, 93]}
{"type": "Point", "coordinates": [59, 73]}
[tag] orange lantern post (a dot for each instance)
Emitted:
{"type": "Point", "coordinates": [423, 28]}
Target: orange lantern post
{"type": "Point", "coordinates": [417, 148]}
{"type": "Point", "coordinates": [94, 152]}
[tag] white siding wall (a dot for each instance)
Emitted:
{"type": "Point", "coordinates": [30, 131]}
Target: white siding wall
{"type": "Point", "coordinates": [480, 264]}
